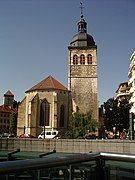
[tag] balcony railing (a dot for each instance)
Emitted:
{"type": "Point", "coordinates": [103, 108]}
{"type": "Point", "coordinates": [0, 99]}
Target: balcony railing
{"type": "Point", "coordinates": [94, 166]}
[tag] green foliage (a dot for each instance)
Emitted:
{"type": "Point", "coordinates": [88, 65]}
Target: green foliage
{"type": "Point", "coordinates": [80, 125]}
{"type": "Point", "coordinates": [116, 114]}
{"type": "Point", "coordinates": [13, 122]}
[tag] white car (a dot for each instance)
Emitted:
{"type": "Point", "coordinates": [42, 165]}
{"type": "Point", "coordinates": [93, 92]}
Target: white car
{"type": "Point", "coordinates": [49, 135]}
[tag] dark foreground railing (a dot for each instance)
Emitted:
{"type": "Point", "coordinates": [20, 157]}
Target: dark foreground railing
{"type": "Point", "coordinates": [93, 166]}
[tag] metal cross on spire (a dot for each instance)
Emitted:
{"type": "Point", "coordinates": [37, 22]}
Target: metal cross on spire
{"type": "Point", "coordinates": [81, 7]}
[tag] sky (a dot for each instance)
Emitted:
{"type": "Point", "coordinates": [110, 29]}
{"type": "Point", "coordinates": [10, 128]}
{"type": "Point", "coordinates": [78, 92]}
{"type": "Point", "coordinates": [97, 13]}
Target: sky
{"type": "Point", "coordinates": [35, 35]}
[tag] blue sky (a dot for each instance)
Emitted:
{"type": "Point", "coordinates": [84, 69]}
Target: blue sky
{"type": "Point", "coordinates": [35, 35]}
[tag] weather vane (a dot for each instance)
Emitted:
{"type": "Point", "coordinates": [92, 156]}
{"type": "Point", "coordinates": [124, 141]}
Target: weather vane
{"type": "Point", "coordinates": [81, 7]}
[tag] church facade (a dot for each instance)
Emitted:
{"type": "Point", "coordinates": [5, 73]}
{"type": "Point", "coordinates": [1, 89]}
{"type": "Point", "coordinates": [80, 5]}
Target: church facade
{"type": "Point", "coordinates": [48, 105]}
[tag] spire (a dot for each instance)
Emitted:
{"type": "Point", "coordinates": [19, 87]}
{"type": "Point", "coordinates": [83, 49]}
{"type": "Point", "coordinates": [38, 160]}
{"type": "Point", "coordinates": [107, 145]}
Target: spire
{"type": "Point", "coordinates": [81, 7]}
{"type": "Point", "coordinates": [82, 25]}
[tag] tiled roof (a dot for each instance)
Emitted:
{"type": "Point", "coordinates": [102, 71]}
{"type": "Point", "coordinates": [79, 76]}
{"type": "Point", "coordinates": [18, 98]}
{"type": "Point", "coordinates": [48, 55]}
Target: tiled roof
{"type": "Point", "coordinates": [8, 93]}
{"type": "Point", "coordinates": [7, 109]}
{"type": "Point", "coordinates": [48, 83]}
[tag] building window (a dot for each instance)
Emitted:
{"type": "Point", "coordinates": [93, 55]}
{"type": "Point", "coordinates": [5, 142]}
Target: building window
{"type": "Point", "coordinates": [82, 59]}
{"type": "Point", "coordinates": [62, 115]}
{"type": "Point", "coordinates": [1, 127]}
{"type": "Point", "coordinates": [89, 59]}
{"type": "Point", "coordinates": [44, 113]}
{"type": "Point", "coordinates": [75, 59]}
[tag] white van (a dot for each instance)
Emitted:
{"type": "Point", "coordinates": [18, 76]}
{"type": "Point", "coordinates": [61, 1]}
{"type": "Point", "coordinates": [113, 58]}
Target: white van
{"type": "Point", "coordinates": [49, 135]}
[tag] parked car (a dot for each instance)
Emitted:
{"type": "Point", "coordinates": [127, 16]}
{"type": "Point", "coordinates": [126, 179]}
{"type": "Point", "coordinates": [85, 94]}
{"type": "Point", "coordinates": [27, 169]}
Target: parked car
{"type": "Point", "coordinates": [49, 135]}
{"type": "Point", "coordinates": [11, 135]}
{"type": "Point", "coordinates": [4, 135]}
{"type": "Point", "coordinates": [25, 136]}
{"type": "Point", "coordinates": [7, 135]}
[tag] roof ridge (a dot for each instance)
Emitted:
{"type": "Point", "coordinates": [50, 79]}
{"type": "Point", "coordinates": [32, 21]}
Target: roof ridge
{"type": "Point", "coordinates": [51, 79]}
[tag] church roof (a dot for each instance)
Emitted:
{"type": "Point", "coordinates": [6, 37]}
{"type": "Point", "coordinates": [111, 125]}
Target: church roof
{"type": "Point", "coordinates": [82, 39]}
{"type": "Point", "coordinates": [48, 83]}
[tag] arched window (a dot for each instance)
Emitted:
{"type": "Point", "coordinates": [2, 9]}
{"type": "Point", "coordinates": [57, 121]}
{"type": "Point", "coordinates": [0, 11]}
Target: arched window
{"type": "Point", "coordinates": [62, 115]}
{"type": "Point", "coordinates": [44, 113]}
{"type": "Point", "coordinates": [89, 59]}
{"type": "Point", "coordinates": [82, 59]}
{"type": "Point", "coordinates": [75, 59]}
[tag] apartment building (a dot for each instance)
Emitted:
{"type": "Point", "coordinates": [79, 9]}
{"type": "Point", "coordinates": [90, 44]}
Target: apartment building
{"type": "Point", "coordinates": [131, 82]}
{"type": "Point", "coordinates": [123, 92]}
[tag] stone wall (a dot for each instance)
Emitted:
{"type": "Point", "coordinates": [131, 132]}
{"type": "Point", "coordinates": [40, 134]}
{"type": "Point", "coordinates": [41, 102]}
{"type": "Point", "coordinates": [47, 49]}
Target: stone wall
{"type": "Point", "coordinates": [21, 117]}
{"type": "Point", "coordinates": [68, 145]}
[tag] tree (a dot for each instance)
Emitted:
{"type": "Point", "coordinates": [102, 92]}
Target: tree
{"type": "Point", "coordinates": [80, 125]}
{"type": "Point", "coordinates": [116, 114]}
{"type": "Point", "coordinates": [13, 122]}
{"type": "Point", "coordinates": [15, 104]}
{"type": "Point", "coordinates": [123, 116]}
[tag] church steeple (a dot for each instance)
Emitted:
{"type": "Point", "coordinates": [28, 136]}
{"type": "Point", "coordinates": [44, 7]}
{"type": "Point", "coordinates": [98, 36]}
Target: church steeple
{"type": "Point", "coordinates": [82, 25]}
{"type": "Point", "coordinates": [82, 71]}
{"type": "Point", "coordinates": [82, 38]}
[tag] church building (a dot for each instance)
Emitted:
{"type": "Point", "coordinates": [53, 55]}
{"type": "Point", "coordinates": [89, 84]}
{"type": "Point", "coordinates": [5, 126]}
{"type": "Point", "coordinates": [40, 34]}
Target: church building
{"type": "Point", "coordinates": [46, 105]}
{"type": "Point", "coordinates": [49, 104]}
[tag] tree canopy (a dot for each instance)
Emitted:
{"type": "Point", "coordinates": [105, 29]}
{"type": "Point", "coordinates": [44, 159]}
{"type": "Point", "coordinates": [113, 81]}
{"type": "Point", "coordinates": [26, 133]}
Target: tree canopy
{"type": "Point", "coordinates": [13, 122]}
{"type": "Point", "coordinates": [80, 125]}
{"type": "Point", "coordinates": [116, 114]}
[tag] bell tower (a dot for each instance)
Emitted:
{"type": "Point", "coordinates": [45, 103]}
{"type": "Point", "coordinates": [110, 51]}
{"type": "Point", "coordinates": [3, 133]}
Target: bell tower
{"type": "Point", "coordinates": [82, 71]}
{"type": "Point", "coordinates": [8, 99]}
